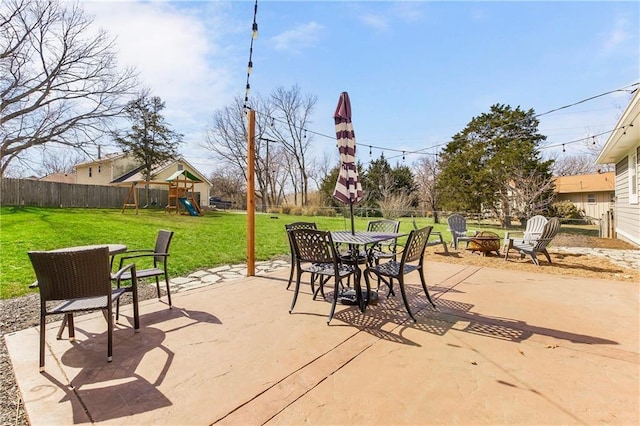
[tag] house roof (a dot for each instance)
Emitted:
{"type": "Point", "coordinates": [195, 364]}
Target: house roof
{"type": "Point", "coordinates": [135, 175]}
{"type": "Point", "coordinates": [60, 177]}
{"type": "Point", "coordinates": [104, 159]}
{"type": "Point", "coordinates": [597, 182]}
{"type": "Point", "coordinates": [625, 136]}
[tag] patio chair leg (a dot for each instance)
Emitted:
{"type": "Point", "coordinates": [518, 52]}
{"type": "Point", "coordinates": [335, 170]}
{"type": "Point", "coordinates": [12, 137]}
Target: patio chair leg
{"type": "Point", "coordinates": [295, 292]}
{"type": "Point", "coordinates": [166, 280]}
{"type": "Point", "coordinates": [291, 270]}
{"type": "Point", "coordinates": [424, 286]}
{"type": "Point", "coordinates": [404, 298]}
{"type": "Point", "coordinates": [335, 300]}
{"type": "Point", "coordinates": [546, 254]}
{"type": "Point", "coordinates": [42, 330]}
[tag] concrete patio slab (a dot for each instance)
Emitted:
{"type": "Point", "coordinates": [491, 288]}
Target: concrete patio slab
{"type": "Point", "coordinates": [501, 348]}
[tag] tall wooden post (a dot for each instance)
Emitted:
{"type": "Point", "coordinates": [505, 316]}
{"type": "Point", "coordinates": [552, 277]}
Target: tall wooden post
{"type": "Point", "coordinates": [251, 195]}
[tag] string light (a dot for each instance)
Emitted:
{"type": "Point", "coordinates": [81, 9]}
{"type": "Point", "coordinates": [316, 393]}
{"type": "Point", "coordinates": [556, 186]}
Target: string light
{"type": "Point", "coordinates": [254, 35]}
{"type": "Point", "coordinates": [421, 151]}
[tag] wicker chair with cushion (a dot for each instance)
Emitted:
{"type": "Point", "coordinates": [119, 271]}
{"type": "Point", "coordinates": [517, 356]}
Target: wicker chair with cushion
{"type": "Point", "coordinates": [316, 254]}
{"type": "Point", "coordinates": [290, 227]}
{"type": "Point", "coordinates": [458, 229]}
{"type": "Point", "coordinates": [532, 231]}
{"type": "Point", "coordinates": [539, 245]}
{"type": "Point", "coordinates": [79, 281]}
{"type": "Point", "coordinates": [158, 255]}
{"type": "Point", "coordinates": [393, 270]}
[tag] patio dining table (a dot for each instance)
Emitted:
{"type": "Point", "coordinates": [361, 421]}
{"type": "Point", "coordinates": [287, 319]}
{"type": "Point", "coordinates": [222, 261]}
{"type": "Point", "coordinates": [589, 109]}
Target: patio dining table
{"type": "Point", "coordinates": [355, 240]}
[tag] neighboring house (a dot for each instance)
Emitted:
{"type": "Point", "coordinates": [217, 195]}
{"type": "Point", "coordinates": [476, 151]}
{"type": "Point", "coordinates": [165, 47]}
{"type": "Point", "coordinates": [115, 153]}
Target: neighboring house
{"type": "Point", "coordinates": [623, 149]}
{"type": "Point", "coordinates": [60, 178]}
{"type": "Point", "coordinates": [104, 170]}
{"type": "Point", "coordinates": [122, 170]}
{"type": "Point", "coordinates": [593, 194]}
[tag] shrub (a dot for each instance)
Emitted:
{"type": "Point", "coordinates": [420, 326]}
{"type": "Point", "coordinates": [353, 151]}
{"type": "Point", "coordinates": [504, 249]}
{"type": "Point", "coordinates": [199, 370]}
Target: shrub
{"type": "Point", "coordinates": [566, 210]}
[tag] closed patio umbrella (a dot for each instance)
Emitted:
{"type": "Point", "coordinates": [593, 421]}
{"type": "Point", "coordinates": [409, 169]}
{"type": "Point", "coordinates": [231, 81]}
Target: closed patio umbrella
{"type": "Point", "coordinates": [348, 188]}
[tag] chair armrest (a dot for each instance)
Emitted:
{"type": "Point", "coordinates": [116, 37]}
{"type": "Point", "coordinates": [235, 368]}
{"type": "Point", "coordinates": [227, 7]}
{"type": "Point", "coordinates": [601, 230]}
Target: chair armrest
{"type": "Point", "coordinates": [142, 255]}
{"type": "Point", "coordinates": [121, 271]}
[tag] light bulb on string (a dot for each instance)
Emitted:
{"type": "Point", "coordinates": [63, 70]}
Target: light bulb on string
{"type": "Point", "coordinates": [563, 150]}
{"type": "Point", "coordinates": [254, 30]}
{"type": "Point", "coordinates": [305, 134]}
{"type": "Point", "coordinates": [402, 155]}
{"type": "Point", "coordinates": [370, 153]}
{"type": "Point", "coordinates": [594, 140]}
{"type": "Point", "coordinates": [249, 67]}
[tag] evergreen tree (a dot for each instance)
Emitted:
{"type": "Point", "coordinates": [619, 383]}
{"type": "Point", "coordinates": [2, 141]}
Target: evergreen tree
{"type": "Point", "coordinates": [479, 166]}
{"type": "Point", "coordinates": [150, 141]}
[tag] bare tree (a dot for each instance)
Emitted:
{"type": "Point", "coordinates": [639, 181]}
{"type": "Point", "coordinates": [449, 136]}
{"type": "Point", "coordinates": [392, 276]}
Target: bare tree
{"type": "Point", "coordinates": [531, 194]}
{"type": "Point", "coordinates": [59, 82]}
{"type": "Point", "coordinates": [393, 202]}
{"type": "Point", "coordinates": [59, 162]}
{"type": "Point", "coordinates": [427, 172]}
{"type": "Point", "coordinates": [228, 184]}
{"type": "Point", "coordinates": [227, 140]}
{"type": "Point", "coordinates": [291, 115]}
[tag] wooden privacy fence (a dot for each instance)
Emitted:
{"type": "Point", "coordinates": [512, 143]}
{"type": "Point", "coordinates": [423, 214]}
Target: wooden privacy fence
{"type": "Point", "coordinates": [27, 192]}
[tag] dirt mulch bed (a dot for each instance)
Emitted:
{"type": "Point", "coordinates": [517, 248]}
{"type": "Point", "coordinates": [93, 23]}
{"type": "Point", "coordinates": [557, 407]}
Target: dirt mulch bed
{"type": "Point", "coordinates": [579, 265]}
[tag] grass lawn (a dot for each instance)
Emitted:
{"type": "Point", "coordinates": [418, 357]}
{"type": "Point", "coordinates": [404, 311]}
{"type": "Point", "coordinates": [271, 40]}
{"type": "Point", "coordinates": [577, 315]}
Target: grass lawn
{"type": "Point", "coordinates": [216, 238]}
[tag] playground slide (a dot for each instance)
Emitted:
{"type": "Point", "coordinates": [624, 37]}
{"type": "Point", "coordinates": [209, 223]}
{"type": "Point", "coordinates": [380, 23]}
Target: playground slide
{"type": "Point", "coordinates": [188, 206]}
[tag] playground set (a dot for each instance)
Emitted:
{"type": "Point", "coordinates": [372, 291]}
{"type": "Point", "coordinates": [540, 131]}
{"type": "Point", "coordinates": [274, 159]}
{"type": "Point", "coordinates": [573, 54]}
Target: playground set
{"type": "Point", "coordinates": [181, 199]}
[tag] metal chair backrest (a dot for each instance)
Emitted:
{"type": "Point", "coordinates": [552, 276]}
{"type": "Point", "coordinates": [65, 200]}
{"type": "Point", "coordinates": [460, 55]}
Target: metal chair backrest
{"type": "Point", "coordinates": [416, 245]}
{"type": "Point", "coordinates": [162, 244]}
{"type": "Point", "coordinates": [72, 274]}
{"type": "Point", "coordinates": [311, 245]}
{"type": "Point", "coordinates": [383, 225]}
{"type": "Point", "coordinates": [297, 225]}
{"type": "Point", "coordinates": [457, 223]}
{"type": "Point", "coordinates": [534, 228]}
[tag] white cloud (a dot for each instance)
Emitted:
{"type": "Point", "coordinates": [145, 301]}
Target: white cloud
{"type": "Point", "coordinates": [172, 50]}
{"type": "Point", "coordinates": [299, 38]}
{"type": "Point", "coordinates": [617, 35]}
{"type": "Point", "coordinates": [377, 22]}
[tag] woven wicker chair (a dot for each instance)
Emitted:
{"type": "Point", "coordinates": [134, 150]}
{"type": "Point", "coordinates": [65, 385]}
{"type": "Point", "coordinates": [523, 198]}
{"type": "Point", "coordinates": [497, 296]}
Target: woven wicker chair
{"type": "Point", "coordinates": [290, 227]}
{"type": "Point", "coordinates": [159, 254]}
{"type": "Point", "coordinates": [80, 281]}
{"type": "Point", "coordinates": [394, 270]}
{"type": "Point", "coordinates": [316, 254]}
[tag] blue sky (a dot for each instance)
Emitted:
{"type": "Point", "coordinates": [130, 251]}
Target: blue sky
{"type": "Point", "coordinates": [416, 72]}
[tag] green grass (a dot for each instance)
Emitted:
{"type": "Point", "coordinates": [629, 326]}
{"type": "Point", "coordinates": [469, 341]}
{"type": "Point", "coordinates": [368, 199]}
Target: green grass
{"type": "Point", "coordinates": [216, 238]}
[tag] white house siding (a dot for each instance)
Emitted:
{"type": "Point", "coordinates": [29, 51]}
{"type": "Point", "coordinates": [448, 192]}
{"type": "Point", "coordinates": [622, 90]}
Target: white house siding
{"type": "Point", "coordinates": [627, 216]}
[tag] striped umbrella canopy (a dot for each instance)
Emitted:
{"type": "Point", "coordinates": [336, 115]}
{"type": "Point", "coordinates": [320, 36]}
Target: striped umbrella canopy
{"type": "Point", "coordinates": [348, 188]}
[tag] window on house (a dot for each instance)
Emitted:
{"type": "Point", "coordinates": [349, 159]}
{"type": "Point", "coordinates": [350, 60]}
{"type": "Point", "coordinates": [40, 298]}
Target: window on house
{"type": "Point", "coordinates": [633, 178]}
{"type": "Point", "coordinates": [591, 198]}
{"type": "Point", "coordinates": [180, 167]}
{"type": "Point", "coordinates": [90, 172]}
